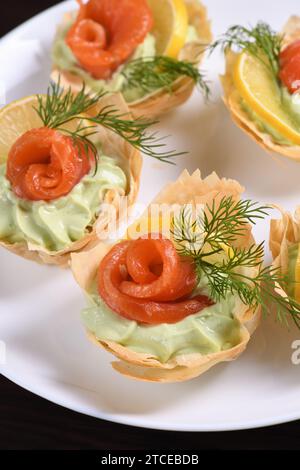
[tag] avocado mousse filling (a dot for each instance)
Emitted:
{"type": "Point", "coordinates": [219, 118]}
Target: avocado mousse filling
{"type": "Point", "coordinates": [289, 104]}
{"type": "Point", "coordinates": [293, 275]}
{"type": "Point", "coordinates": [209, 331]}
{"type": "Point", "coordinates": [56, 224]}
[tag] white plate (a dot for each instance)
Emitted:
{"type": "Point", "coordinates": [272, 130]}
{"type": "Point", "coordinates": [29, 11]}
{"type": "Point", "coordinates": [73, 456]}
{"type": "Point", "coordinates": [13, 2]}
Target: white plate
{"type": "Point", "coordinates": [47, 351]}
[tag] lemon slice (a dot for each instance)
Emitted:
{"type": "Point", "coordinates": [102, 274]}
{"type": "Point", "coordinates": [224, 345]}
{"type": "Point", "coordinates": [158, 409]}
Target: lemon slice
{"type": "Point", "coordinates": [228, 250]}
{"type": "Point", "coordinates": [147, 225]}
{"type": "Point", "coordinates": [170, 25]}
{"type": "Point", "coordinates": [260, 90]}
{"type": "Point", "coordinates": [297, 277]}
{"type": "Point", "coordinates": [17, 118]}
{"type": "Point", "coordinates": [164, 225]}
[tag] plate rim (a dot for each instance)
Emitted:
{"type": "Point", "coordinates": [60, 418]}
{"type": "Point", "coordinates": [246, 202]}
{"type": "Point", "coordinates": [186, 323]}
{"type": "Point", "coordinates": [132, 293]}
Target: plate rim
{"type": "Point", "coordinates": [135, 422]}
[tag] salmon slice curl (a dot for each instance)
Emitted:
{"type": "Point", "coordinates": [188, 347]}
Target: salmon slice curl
{"type": "Point", "coordinates": [129, 282]}
{"type": "Point", "coordinates": [44, 164]}
{"type": "Point", "coordinates": [290, 67]}
{"type": "Point", "coordinates": [107, 32]}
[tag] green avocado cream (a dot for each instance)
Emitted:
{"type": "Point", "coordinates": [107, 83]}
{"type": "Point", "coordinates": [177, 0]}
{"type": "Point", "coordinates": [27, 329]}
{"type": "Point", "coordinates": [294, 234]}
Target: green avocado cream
{"type": "Point", "coordinates": [64, 59]}
{"type": "Point", "coordinates": [57, 224]}
{"type": "Point", "coordinates": [263, 126]}
{"type": "Point", "coordinates": [212, 330]}
{"type": "Point", "coordinates": [293, 256]}
{"type": "Point", "coordinates": [290, 105]}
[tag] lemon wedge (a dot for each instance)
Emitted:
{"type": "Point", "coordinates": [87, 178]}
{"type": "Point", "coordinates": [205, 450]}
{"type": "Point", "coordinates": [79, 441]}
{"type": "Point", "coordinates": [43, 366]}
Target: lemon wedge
{"type": "Point", "coordinates": [19, 117]}
{"type": "Point", "coordinates": [170, 25]}
{"type": "Point", "coordinates": [260, 90]}
{"type": "Point", "coordinates": [164, 225]}
{"type": "Point", "coordinates": [228, 250]}
{"type": "Point", "coordinates": [149, 225]}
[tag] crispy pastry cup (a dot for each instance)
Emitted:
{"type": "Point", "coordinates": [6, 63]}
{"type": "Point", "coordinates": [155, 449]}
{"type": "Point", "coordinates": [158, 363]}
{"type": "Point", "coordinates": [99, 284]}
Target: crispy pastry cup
{"type": "Point", "coordinates": [284, 232]}
{"type": "Point", "coordinates": [131, 162]}
{"type": "Point", "coordinates": [188, 189]}
{"type": "Point", "coordinates": [291, 33]}
{"type": "Point", "coordinates": [161, 101]}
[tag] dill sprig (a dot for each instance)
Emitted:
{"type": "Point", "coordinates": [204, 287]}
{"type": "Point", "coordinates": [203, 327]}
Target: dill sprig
{"type": "Point", "coordinates": [259, 289]}
{"type": "Point", "coordinates": [221, 223]}
{"type": "Point", "coordinates": [62, 107]}
{"type": "Point", "coordinates": [238, 271]}
{"type": "Point", "coordinates": [260, 41]}
{"type": "Point", "coordinates": [153, 73]}
{"type": "Point", "coordinates": [134, 132]}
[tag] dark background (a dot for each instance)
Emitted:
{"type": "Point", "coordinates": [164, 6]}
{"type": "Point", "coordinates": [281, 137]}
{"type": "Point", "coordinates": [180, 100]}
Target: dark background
{"type": "Point", "coordinates": [29, 422]}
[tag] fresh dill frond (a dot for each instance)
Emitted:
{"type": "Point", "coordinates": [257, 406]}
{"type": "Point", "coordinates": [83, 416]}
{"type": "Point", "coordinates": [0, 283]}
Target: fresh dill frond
{"type": "Point", "coordinates": [221, 223]}
{"type": "Point", "coordinates": [154, 73]}
{"type": "Point", "coordinates": [225, 221]}
{"type": "Point", "coordinates": [135, 133]}
{"type": "Point", "coordinates": [257, 290]}
{"type": "Point", "coordinates": [62, 107]}
{"type": "Point", "coordinates": [237, 271]}
{"type": "Point", "coordinates": [260, 41]}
